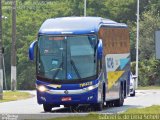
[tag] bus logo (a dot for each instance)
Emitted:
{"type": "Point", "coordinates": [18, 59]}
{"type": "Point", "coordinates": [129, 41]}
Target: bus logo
{"type": "Point", "coordinates": [66, 92]}
{"type": "Point", "coordinates": [110, 63]}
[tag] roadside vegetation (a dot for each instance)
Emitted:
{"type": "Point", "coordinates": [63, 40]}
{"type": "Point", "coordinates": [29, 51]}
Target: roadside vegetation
{"type": "Point", "coordinates": [155, 109]}
{"type": "Point", "coordinates": [148, 113]}
{"type": "Point", "coordinates": [12, 96]}
{"type": "Point", "coordinates": [149, 88]}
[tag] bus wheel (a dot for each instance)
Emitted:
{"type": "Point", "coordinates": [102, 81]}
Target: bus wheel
{"type": "Point", "coordinates": [74, 108]}
{"type": "Point", "coordinates": [134, 93]}
{"type": "Point", "coordinates": [47, 107]}
{"type": "Point", "coordinates": [99, 106]}
{"type": "Point", "coordinates": [120, 101]}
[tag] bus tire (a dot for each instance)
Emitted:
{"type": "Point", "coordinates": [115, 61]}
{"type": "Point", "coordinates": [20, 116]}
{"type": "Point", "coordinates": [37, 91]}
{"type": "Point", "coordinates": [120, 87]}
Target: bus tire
{"type": "Point", "coordinates": [134, 93]}
{"type": "Point", "coordinates": [74, 108]}
{"type": "Point", "coordinates": [47, 107]}
{"type": "Point", "coordinates": [120, 101]}
{"type": "Point", "coordinates": [99, 106]}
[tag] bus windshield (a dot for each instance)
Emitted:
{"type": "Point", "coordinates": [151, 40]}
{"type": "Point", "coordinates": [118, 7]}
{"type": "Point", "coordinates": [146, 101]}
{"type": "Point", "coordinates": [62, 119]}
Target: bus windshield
{"type": "Point", "coordinates": [63, 58]}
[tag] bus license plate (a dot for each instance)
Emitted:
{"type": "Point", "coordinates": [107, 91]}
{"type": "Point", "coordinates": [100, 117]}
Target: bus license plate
{"type": "Point", "coordinates": [66, 99]}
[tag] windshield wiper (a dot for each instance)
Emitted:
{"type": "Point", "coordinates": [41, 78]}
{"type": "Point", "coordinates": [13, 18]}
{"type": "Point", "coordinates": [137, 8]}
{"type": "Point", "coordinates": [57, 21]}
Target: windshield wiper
{"type": "Point", "coordinates": [57, 71]}
{"type": "Point", "coordinates": [75, 68]}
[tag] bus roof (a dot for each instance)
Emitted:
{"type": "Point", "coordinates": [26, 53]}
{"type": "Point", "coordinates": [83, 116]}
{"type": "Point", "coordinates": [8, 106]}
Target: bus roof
{"type": "Point", "coordinates": [75, 25]}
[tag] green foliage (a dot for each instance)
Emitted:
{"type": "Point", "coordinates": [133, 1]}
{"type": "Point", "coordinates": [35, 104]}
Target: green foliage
{"type": "Point", "coordinates": [121, 10]}
{"type": "Point", "coordinates": [148, 72]}
{"type": "Point", "coordinates": [148, 25]}
{"type": "Point", "coordinates": [32, 13]}
{"type": "Point", "coordinates": [155, 109]}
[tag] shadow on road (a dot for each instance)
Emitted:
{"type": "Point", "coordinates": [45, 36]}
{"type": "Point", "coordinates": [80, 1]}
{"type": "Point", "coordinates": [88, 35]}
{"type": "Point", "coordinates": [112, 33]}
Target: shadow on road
{"type": "Point", "coordinates": [78, 109]}
{"type": "Point", "coordinates": [114, 110]}
{"type": "Point", "coordinates": [87, 109]}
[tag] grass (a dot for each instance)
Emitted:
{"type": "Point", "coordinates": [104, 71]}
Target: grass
{"type": "Point", "coordinates": [86, 117]}
{"type": "Point", "coordinates": [148, 113]}
{"type": "Point", "coordinates": [12, 96]}
{"type": "Point", "coordinates": [149, 87]}
{"type": "Point", "coordinates": [155, 109]}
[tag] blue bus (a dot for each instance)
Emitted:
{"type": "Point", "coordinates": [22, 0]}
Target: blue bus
{"type": "Point", "coordinates": [81, 60]}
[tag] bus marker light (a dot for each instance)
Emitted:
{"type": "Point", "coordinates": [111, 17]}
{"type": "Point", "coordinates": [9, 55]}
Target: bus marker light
{"type": "Point", "coordinates": [90, 97]}
{"type": "Point", "coordinates": [43, 98]}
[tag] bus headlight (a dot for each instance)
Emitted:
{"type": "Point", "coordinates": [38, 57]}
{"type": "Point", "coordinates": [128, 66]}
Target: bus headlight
{"type": "Point", "coordinates": [90, 88]}
{"type": "Point", "coordinates": [42, 88]}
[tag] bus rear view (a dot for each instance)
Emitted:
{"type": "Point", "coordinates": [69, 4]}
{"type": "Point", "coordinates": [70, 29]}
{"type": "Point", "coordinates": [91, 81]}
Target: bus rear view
{"type": "Point", "coordinates": [69, 63]}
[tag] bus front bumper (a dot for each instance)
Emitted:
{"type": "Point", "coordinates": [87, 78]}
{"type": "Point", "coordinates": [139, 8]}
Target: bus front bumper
{"type": "Point", "coordinates": [88, 97]}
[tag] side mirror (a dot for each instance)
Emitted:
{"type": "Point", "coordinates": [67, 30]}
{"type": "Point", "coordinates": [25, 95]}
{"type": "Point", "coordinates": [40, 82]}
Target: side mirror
{"type": "Point", "coordinates": [31, 50]}
{"type": "Point", "coordinates": [100, 49]}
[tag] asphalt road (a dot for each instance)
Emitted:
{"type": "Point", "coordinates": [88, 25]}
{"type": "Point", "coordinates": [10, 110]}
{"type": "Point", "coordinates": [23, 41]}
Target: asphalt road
{"type": "Point", "coordinates": [30, 109]}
